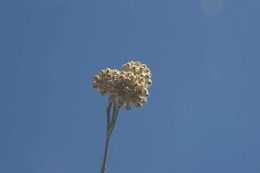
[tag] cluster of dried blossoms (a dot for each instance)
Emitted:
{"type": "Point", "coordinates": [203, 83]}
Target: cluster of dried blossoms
{"type": "Point", "coordinates": [127, 87]}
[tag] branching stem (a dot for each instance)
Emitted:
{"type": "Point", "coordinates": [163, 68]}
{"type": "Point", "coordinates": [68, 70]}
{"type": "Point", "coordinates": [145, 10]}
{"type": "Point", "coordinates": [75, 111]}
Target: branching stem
{"type": "Point", "coordinates": [110, 126]}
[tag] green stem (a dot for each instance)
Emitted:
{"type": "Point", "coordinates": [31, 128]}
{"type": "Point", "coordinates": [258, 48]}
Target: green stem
{"type": "Point", "coordinates": [108, 114]}
{"type": "Point", "coordinates": [110, 127]}
{"type": "Point", "coordinates": [105, 156]}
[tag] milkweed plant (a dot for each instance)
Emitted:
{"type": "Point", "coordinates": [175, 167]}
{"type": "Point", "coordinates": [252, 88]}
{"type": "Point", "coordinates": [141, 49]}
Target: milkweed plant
{"type": "Point", "coordinates": [125, 88]}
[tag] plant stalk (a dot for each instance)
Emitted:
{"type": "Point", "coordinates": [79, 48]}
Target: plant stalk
{"type": "Point", "coordinates": [110, 126]}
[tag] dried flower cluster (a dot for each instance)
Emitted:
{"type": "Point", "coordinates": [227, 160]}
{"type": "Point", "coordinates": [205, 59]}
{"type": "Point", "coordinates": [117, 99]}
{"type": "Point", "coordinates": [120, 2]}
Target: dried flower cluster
{"type": "Point", "coordinates": [125, 87]}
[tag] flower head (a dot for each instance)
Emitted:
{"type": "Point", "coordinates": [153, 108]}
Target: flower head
{"type": "Point", "coordinates": [127, 87]}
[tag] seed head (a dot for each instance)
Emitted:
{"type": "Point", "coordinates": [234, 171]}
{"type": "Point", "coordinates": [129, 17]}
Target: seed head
{"type": "Point", "coordinates": [125, 87]}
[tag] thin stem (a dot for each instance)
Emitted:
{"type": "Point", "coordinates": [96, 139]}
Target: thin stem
{"type": "Point", "coordinates": [110, 127]}
{"type": "Point", "coordinates": [105, 156]}
{"type": "Point", "coordinates": [115, 113]}
{"type": "Point", "coordinates": [108, 114]}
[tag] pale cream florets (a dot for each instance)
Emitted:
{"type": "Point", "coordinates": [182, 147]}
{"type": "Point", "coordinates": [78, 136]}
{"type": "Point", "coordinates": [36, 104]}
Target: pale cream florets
{"type": "Point", "coordinates": [125, 87]}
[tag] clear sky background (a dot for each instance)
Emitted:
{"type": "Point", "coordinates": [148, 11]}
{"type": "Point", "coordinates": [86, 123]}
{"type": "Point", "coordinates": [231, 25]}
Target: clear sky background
{"type": "Point", "coordinates": [203, 112]}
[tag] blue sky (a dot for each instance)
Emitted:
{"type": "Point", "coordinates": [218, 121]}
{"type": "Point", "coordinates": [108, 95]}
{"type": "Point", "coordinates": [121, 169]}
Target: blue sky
{"type": "Point", "coordinates": [203, 112]}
